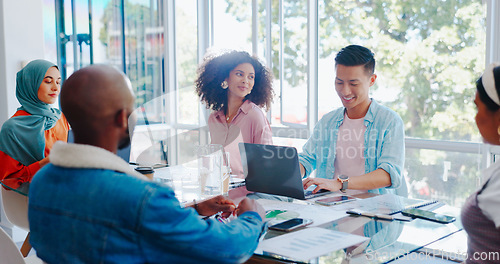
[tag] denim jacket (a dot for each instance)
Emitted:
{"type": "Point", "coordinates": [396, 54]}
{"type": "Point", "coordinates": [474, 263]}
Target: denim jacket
{"type": "Point", "coordinates": [384, 146]}
{"type": "Point", "coordinates": [89, 206]}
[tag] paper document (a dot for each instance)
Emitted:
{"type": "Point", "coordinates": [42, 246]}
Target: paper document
{"type": "Point", "coordinates": [309, 243]}
{"type": "Point", "coordinates": [318, 213]}
{"type": "Point", "coordinates": [384, 204]}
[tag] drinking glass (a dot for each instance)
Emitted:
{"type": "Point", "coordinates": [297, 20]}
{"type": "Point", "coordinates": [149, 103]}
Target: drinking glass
{"type": "Point", "coordinates": [226, 171]}
{"type": "Point", "coordinates": [209, 169]}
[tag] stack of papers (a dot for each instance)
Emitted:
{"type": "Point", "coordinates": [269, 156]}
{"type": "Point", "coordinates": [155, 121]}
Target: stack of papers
{"type": "Point", "coordinates": [309, 243]}
{"type": "Point", "coordinates": [384, 204]}
{"type": "Point", "coordinates": [317, 213]}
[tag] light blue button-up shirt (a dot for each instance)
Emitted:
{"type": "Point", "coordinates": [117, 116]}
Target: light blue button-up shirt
{"type": "Point", "coordinates": [384, 146]}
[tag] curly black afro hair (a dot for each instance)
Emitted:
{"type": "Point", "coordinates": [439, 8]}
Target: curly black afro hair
{"type": "Point", "coordinates": [215, 68]}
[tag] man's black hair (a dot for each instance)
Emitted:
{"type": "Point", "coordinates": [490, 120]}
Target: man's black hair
{"type": "Point", "coordinates": [355, 55]}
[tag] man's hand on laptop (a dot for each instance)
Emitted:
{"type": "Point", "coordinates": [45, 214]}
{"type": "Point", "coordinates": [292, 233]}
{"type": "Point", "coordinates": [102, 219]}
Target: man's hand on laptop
{"type": "Point", "coordinates": [328, 184]}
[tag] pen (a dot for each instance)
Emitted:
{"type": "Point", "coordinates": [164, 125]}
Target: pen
{"type": "Point", "coordinates": [217, 217]}
{"type": "Point", "coordinates": [220, 218]}
{"type": "Point", "coordinates": [371, 215]}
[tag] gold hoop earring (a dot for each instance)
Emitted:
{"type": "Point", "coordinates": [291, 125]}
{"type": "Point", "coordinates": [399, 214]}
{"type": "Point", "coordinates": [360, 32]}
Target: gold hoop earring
{"type": "Point", "coordinates": [498, 130]}
{"type": "Point", "coordinates": [224, 85]}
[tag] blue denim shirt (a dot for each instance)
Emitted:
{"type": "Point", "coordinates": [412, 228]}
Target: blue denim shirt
{"type": "Point", "coordinates": [384, 146]}
{"type": "Point", "coordinates": [103, 216]}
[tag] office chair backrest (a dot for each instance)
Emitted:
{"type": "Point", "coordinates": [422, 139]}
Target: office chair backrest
{"type": "Point", "coordinates": [15, 206]}
{"type": "Point", "coordinates": [9, 253]}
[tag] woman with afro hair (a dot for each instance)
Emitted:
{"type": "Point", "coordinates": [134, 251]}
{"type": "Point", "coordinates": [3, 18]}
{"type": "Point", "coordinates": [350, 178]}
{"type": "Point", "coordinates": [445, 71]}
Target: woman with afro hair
{"type": "Point", "coordinates": [235, 86]}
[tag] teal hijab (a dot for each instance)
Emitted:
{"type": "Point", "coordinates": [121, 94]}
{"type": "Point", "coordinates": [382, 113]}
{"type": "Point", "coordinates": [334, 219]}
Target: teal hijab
{"type": "Point", "coordinates": [23, 137]}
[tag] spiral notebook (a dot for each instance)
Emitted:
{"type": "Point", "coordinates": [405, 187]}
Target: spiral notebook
{"type": "Point", "coordinates": [388, 204]}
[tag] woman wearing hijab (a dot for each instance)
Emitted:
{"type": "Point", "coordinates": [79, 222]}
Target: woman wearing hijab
{"type": "Point", "coordinates": [480, 213]}
{"type": "Point", "coordinates": [27, 137]}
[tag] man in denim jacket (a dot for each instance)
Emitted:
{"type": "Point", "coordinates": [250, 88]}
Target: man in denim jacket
{"type": "Point", "coordinates": [89, 206]}
{"type": "Point", "coordinates": [361, 145]}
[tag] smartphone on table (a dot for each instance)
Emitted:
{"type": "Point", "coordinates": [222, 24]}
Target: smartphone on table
{"type": "Point", "coordinates": [335, 200]}
{"type": "Point", "coordinates": [291, 224]}
{"type": "Point", "coordinates": [428, 215]}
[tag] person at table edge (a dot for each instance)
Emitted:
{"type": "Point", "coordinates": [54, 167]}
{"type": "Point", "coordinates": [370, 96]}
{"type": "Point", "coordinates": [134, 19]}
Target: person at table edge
{"type": "Point", "coordinates": [360, 145]}
{"type": "Point", "coordinates": [89, 206]}
{"type": "Point", "coordinates": [27, 137]}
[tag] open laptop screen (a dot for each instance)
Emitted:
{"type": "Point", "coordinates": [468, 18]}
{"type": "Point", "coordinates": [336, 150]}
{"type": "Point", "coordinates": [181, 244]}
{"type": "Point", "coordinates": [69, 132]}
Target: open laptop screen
{"type": "Point", "coordinates": [272, 169]}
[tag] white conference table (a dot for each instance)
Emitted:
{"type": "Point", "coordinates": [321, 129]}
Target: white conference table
{"type": "Point", "coordinates": [415, 241]}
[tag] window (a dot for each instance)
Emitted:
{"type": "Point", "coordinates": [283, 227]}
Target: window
{"type": "Point", "coordinates": [232, 25]}
{"type": "Point", "coordinates": [292, 54]}
{"type": "Point", "coordinates": [144, 53]}
{"type": "Point", "coordinates": [429, 54]}
{"type": "Point", "coordinates": [107, 34]}
{"type": "Point", "coordinates": [187, 60]}
{"type": "Point", "coordinates": [186, 48]}
{"type": "Point", "coordinates": [49, 31]}
{"type": "Point", "coordinates": [449, 177]}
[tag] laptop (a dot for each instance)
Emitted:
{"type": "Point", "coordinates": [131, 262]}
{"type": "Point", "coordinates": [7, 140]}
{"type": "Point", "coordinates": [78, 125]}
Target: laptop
{"type": "Point", "coordinates": [274, 170]}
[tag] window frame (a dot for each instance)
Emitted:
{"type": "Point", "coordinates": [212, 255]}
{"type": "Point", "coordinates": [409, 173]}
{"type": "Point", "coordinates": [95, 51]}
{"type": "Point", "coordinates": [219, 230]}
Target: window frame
{"type": "Point", "coordinates": [205, 26]}
{"type": "Point", "coordinates": [492, 54]}
{"type": "Point", "coordinates": [205, 34]}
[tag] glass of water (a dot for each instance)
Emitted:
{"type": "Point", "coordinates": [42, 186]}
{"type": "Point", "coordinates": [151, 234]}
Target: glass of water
{"type": "Point", "coordinates": [210, 169]}
{"type": "Point", "coordinates": [226, 172]}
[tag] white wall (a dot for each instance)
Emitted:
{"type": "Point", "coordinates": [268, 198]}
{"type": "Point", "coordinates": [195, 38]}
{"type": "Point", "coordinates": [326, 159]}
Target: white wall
{"type": "Point", "coordinates": [21, 40]}
{"type": "Point", "coordinates": [3, 91]}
